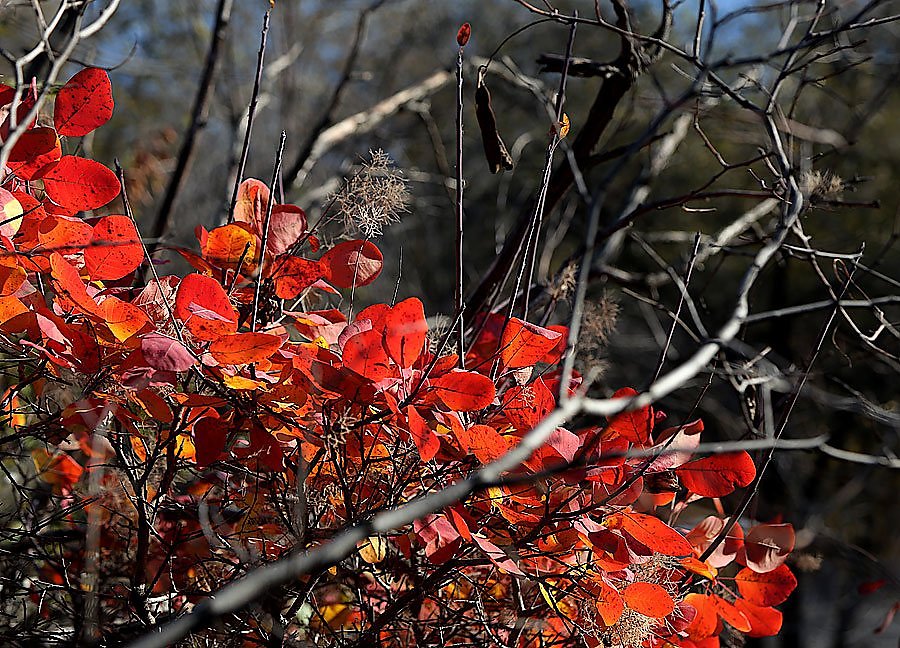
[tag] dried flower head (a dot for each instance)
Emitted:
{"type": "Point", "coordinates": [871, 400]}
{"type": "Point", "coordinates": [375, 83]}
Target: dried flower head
{"type": "Point", "coordinates": [373, 197]}
{"type": "Point", "coordinates": [821, 185]}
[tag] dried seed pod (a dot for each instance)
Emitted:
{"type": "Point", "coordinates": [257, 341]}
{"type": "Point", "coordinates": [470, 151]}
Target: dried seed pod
{"type": "Point", "coordinates": [498, 157]}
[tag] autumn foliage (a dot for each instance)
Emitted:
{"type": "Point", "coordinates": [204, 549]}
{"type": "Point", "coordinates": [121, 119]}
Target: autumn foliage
{"type": "Point", "coordinates": [213, 422]}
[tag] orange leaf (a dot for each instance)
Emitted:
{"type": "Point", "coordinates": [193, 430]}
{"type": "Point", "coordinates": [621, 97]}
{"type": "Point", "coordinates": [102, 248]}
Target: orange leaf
{"type": "Point", "coordinates": [404, 331]}
{"type": "Point", "coordinates": [122, 318]}
{"type": "Point", "coordinates": [706, 622]}
{"type": "Point", "coordinates": [59, 470]}
{"type": "Point", "coordinates": [232, 247]}
{"type": "Point", "coordinates": [12, 276]}
{"type": "Point", "coordinates": [203, 306]}
{"type": "Point", "coordinates": [649, 599]}
{"type": "Point", "coordinates": [293, 274]}
{"type": "Point", "coordinates": [730, 614]}
{"type": "Point", "coordinates": [84, 103]}
{"type": "Point", "coordinates": [115, 249]}
{"type": "Point", "coordinates": [484, 442]}
{"type": "Point", "coordinates": [524, 344]}
{"type": "Point", "coordinates": [764, 621]}
{"type": "Point", "coordinates": [718, 475]}
{"type": "Point", "coordinates": [653, 533]}
{"type": "Point", "coordinates": [80, 184]}
{"type": "Point", "coordinates": [68, 282]}
{"type": "Point", "coordinates": [352, 263]}
{"type": "Point", "coordinates": [464, 391]}
{"type": "Point", "coordinates": [244, 348]}
{"type": "Point", "coordinates": [609, 604]}
{"type": "Point", "coordinates": [769, 588]}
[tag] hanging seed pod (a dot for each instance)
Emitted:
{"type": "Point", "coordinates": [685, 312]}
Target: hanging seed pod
{"type": "Point", "coordinates": [498, 157]}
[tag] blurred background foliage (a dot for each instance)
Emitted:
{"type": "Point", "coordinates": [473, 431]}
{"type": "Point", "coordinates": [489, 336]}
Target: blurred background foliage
{"type": "Point", "coordinates": [846, 101]}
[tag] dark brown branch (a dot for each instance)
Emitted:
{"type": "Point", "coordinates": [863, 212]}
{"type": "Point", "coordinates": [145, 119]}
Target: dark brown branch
{"type": "Point", "coordinates": [328, 114]}
{"type": "Point", "coordinates": [198, 123]}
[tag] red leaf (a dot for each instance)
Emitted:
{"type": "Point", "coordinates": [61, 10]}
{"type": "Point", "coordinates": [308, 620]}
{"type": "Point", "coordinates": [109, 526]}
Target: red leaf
{"type": "Point", "coordinates": [166, 354]}
{"type": "Point", "coordinates": [36, 149]}
{"type": "Point", "coordinates": [210, 435]}
{"type": "Point", "coordinates": [524, 344]}
{"type": "Point", "coordinates": [266, 450]}
{"type": "Point", "coordinates": [652, 532]}
{"type": "Point", "coordinates": [364, 354]}
{"type": "Point", "coordinates": [888, 618]}
{"type": "Point", "coordinates": [649, 599]}
{"type": "Point", "coordinates": [203, 306]}
{"type": "Point", "coordinates": [286, 225]}
{"type": "Point", "coordinates": [115, 249]}
{"type": "Point", "coordinates": [84, 103]}
{"type": "Point", "coordinates": [293, 274]}
{"type": "Point", "coordinates": [423, 436]}
{"type": "Point", "coordinates": [440, 537]}
{"type": "Point", "coordinates": [525, 405]}
{"type": "Point", "coordinates": [484, 442]}
{"type": "Point", "coordinates": [252, 203]}
{"type": "Point", "coordinates": [633, 426]}
{"type": "Point", "coordinates": [764, 621]}
{"type": "Point", "coordinates": [463, 35]}
{"type": "Point", "coordinates": [770, 588]}
{"type": "Point", "coordinates": [497, 555]}
{"type": "Point", "coordinates": [244, 348]}
{"type": "Point", "coordinates": [464, 391]}
{"type": "Point", "coordinates": [705, 533]}
{"type": "Point", "coordinates": [80, 184]}
{"type": "Point", "coordinates": [865, 588]}
{"type": "Point", "coordinates": [352, 263]}
{"type": "Point", "coordinates": [718, 475]}
{"type": "Point", "coordinates": [767, 546]}
{"type": "Point", "coordinates": [609, 604]}
{"type": "Point", "coordinates": [404, 331]}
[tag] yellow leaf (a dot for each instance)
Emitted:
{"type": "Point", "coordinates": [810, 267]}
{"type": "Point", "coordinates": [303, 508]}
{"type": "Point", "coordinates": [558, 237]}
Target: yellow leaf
{"type": "Point", "coordinates": [564, 126]}
{"type": "Point", "coordinates": [373, 550]}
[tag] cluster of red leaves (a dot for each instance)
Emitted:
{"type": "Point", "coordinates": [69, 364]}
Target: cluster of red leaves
{"type": "Point", "coordinates": [207, 399]}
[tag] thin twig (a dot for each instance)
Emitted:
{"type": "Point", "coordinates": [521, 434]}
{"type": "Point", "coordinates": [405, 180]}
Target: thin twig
{"type": "Point", "coordinates": [245, 150]}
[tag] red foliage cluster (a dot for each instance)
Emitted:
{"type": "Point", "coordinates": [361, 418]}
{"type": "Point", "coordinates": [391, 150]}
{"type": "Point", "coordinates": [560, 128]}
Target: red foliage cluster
{"type": "Point", "coordinates": [206, 421]}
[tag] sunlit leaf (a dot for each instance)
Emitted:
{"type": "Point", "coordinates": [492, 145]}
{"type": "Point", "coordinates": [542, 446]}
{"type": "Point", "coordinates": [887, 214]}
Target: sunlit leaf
{"type": "Point", "coordinates": [766, 589]}
{"type": "Point", "coordinates": [80, 184]}
{"type": "Point", "coordinates": [84, 103]}
{"type": "Point", "coordinates": [115, 249]}
{"type": "Point", "coordinates": [718, 475]}
{"type": "Point", "coordinates": [352, 263]}
{"type": "Point", "coordinates": [405, 329]}
{"type": "Point", "coordinates": [464, 390]}
{"type": "Point", "coordinates": [649, 599]}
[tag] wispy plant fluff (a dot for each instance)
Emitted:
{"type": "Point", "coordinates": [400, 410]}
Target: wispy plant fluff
{"type": "Point", "coordinates": [374, 197]}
